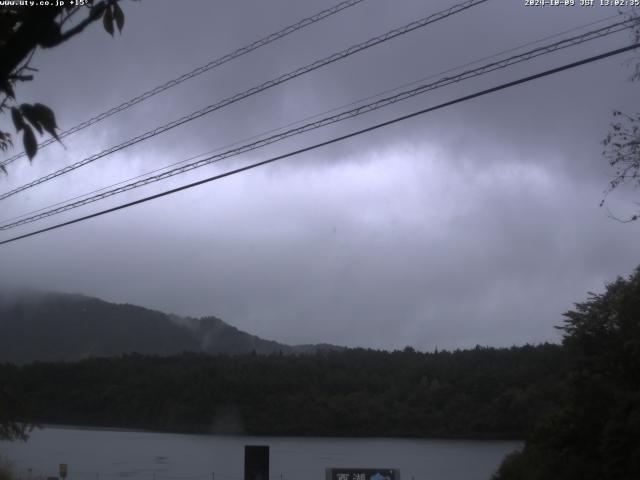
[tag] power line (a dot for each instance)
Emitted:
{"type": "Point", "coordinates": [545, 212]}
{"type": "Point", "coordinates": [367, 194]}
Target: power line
{"type": "Point", "coordinates": [384, 102]}
{"type": "Point", "coordinates": [311, 117]}
{"type": "Point", "coordinates": [333, 140]}
{"type": "Point", "coordinates": [130, 179]}
{"type": "Point", "coordinates": [333, 119]}
{"type": "Point", "coordinates": [252, 91]}
{"type": "Point", "coordinates": [305, 22]}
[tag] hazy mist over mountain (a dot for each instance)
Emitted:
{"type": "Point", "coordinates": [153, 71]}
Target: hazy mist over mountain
{"type": "Point", "coordinates": [45, 326]}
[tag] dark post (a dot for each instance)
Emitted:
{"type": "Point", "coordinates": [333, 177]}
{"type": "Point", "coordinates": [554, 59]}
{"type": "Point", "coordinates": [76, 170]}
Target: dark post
{"type": "Point", "coordinates": [256, 462]}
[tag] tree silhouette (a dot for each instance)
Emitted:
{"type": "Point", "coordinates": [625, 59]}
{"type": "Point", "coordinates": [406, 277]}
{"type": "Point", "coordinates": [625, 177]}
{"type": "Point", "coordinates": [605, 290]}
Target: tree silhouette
{"type": "Point", "coordinates": [595, 434]}
{"type": "Point", "coordinates": [622, 143]}
{"type": "Point", "coordinates": [23, 29]}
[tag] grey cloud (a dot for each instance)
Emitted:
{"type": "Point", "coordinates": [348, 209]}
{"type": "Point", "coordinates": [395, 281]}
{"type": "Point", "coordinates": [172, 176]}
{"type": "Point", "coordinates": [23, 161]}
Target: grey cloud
{"type": "Point", "coordinates": [476, 224]}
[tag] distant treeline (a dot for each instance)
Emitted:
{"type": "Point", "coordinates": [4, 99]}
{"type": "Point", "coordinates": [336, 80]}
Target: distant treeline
{"type": "Point", "coordinates": [482, 392]}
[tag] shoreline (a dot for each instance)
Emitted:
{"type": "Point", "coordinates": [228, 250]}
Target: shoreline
{"type": "Point", "coordinates": [491, 438]}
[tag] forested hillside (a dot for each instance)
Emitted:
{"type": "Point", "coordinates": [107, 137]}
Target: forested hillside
{"type": "Point", "coordinates": [39, 326]}
{"type": "Point", "coordinates": [483, 392]}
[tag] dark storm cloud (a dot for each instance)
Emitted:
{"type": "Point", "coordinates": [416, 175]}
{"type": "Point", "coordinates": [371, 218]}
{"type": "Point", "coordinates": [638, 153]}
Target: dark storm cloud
{"type": "Point", "coordinates": [476, 224]}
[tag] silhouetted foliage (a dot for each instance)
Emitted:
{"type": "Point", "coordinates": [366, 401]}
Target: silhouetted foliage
{"type": "Point", "coordinates": [622, 143]}
{"type": "Point", "coordinates": [482, 392]}
{"type": "Point", "coordinates": [595, 433]}
{"type": "Point", "coordinates": [13, 413]}
{"type": "Point", "coordinates": [23, 29]}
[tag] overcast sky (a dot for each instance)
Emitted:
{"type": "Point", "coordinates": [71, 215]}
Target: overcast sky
{"type": "Point", "coordinates": [476, 224]}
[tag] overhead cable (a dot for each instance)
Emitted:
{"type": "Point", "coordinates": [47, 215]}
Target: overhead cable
{"type": "Point", "coordinates": [311, 117]}
{"type": "Point", "coordinates": [305, 22]}
{"type": "Point", "coordinates": [252, 91]}
{"type": "Point", "coordinates": [354, 112]}
{"type": "Point", "coordinates": [331, 141]}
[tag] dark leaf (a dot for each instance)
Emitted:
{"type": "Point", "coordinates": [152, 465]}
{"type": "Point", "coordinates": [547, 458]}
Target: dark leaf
{"type": "Point", "coordinates": [118, 15]}
{"type": "Point", "coordinates": [8, 88]}
{"type": "Point", "coordinates": [96, 11]}
{"type": "Point", "coordinates": [5, 141]}
{"type": "Point", "coordinates": [31, 114]}
{"type": "Point", "coordinates": [107, 20]}
{"type": "Point", "coordinates": [30, 144]}
{"type": "Point", "coordinates": [4, 169]}
{"type": "Point", "coordinates": [47, 119]}
{"type": "Point", "coordinates": [16, 116]}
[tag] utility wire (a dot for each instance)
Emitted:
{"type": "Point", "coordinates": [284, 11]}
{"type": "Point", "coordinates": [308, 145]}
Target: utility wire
{"type": "Point", "coordinates": [384, 102]}
{"type": "Point", "coordinates": [305, 22]}
{"type": "Point", "coordinates": [333, 140]}
{"type": "Point", "coordinates": [252, 91]}
{"type": "Point", "coordinates": [311, 117]}
{"type": "Point", "coordinates": [364, 109]}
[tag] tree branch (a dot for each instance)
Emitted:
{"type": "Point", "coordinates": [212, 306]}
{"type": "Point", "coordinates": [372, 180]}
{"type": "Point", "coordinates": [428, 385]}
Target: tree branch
{"type": "Point", "coordinates": [94, 14]}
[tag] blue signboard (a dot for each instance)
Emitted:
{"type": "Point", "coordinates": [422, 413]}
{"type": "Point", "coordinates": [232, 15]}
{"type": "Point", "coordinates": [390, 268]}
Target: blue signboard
{"type": "Point", "coordinates": [363, 474]}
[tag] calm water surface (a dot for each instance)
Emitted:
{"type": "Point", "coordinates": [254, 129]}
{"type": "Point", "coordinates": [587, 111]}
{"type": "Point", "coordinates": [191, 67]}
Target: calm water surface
{"type": "Point", "coordinates": [113, 454]}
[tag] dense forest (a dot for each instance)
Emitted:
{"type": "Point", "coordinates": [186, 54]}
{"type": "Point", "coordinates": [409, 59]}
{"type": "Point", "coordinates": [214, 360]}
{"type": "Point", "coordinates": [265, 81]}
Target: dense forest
{"type": "Point", "coordinates": [594, 433]}
{"type": "Point", "coordinates": [482, 392]}
{"type": "Point", "coordinates": [577, 404]}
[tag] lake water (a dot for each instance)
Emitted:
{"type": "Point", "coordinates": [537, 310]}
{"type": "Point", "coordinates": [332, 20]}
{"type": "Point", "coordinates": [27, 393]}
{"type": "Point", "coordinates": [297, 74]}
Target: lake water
{"type": "Point", "coordinates": [93, 454]}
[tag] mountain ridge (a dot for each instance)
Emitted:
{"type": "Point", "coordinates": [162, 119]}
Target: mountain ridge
{"type": "Point", "coordinates": [52, 326]}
